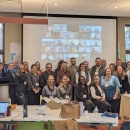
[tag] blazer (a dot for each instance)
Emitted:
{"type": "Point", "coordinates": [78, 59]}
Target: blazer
{"type": "Point", "coordinates": [8, 74]}
{"type": "Point", "coordinates": [100, 72]}
{"type": "Point", "coordinates": [73, 75]}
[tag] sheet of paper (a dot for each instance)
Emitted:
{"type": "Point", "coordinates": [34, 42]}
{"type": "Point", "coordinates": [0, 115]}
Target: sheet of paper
{"type": "Point", "coordinates": [46, 99]}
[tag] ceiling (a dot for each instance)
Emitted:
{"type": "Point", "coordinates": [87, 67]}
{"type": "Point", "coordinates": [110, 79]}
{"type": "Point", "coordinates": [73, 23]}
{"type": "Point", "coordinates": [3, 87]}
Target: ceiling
{"type": "Point", "coordinates": [71, 7]}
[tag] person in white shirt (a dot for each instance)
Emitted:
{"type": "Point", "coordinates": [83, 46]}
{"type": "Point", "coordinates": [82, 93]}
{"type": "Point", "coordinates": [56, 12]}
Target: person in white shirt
{"type": "Point", "coordinates": [98, 95]}
{"type": "Point", "coordinates": [83, 72]}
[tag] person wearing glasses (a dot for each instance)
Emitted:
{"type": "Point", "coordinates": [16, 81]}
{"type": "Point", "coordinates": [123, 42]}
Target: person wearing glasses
{"type": "Point", "coordinates": [21, 80]}
{"type": "Point", "coordinates": [45, 75]}
{"type": "Point", "coordinates": [83, 72]}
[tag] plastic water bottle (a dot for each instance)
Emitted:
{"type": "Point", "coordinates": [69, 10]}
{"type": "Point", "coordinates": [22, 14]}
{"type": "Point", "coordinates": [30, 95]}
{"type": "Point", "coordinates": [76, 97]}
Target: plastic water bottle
{"type": "Point", "coordinates": [9, 108]}
{"type": "Point", "coordinates": [96, 112]}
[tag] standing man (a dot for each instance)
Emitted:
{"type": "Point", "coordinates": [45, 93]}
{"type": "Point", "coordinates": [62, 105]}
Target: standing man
{"type": "Point", "coordinates": [45, 75]}
{"type": "Point", "coordinates": [73, 70]}
{"type": "Point", "coordinates": [87, 66]}
{"type": "Point", "coordinates": [104, 63]}
{"type": "Point", "coordinates": [97, 69]}
{"type": "Point", "coordinates": [119, 63]}
{"type": "Point", "coordinates": [12, 89]}
{"type": "Point", "coordinates": [16, 65]}
{"type": "Point", "coordinates": [63, 72]}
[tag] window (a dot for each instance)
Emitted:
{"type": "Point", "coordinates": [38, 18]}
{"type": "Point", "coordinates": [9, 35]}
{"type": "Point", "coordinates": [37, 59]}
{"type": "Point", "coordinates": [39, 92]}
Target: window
{"type": "Point", "coordinates": [127, 42]}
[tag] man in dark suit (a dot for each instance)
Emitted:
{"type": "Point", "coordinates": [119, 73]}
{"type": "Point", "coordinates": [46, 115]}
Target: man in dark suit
{"type": "Point", "coordinates": [12, 90]}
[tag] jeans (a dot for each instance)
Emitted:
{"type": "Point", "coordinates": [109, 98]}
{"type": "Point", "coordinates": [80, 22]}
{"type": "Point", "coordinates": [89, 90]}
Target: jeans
{"type": "Point", "coordinates": [24, 99]}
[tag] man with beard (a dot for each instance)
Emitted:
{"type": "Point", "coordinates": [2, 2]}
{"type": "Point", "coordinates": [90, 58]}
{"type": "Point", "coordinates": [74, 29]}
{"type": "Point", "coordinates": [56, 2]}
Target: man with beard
{"type": "Point", "coordinates": [63, 72]}
{"type": "Point", "coordinates": [97, 69]}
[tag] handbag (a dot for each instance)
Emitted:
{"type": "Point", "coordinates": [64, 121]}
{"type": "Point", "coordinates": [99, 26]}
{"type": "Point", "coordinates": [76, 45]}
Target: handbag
{"type": "Point", "coordinates": [70, 111]}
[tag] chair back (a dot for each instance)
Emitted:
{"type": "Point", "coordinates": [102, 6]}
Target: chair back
{"type": "Point", "coordinates": [31, 125]}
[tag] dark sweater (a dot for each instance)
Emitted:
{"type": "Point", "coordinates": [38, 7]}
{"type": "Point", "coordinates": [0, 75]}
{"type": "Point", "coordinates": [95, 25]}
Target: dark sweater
{"type": "Point", "coordinates": [125, 84]}
{"type": "Point", "coordinates": [80, 91]}
{"type": "Point", "coordinates": [44, 78]}
{"type": "Point", "coordinates": [20, 81]}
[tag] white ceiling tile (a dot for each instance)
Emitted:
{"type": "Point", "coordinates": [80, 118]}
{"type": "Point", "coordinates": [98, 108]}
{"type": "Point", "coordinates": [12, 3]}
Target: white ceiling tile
{"type": "Point", "coordinates": [10, 7]}
{"type": "Point", "coordinates": [32, 6]}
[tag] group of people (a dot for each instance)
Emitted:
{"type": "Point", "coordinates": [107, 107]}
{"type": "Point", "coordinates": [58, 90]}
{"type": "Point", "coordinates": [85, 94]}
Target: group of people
{"type": "Point", "coordinates": [99, 86]}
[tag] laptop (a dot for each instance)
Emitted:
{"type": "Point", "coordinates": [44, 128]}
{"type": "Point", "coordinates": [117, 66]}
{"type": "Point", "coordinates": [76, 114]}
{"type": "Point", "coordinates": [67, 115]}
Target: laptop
{"type": "Point", "coordinates": [3, 109]}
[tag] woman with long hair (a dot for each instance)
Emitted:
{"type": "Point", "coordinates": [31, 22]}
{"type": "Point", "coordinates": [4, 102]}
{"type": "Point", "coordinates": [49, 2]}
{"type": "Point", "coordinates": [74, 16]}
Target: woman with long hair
{"type": "Point", "coordinates": [98, 95]}
{"type": "Point", "coordinates": [111, 86]}
{"type": "Point", "coordinates": [112, 68]}
{"type": "Point", "coordinates": [82, 94]}
{"type": "Point", "coordinates": [64, 89]}
{"type": "Point", "coordinates": [33, 86]}
{"type": "Point", "coordinates": [38, 68]}
{"type": "Point", "coordinates": [21, 80]}
{"type": "Point", "coordinates": [123, 78]}
{"type": "Point", "coordinates": [83, 72]}
{"type": "Point", "coordinates": [25, 63]}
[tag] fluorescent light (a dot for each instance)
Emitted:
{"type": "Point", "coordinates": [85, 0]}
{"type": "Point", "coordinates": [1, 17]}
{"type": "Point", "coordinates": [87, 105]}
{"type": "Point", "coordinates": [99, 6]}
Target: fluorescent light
{"type": "Point", "coordinates": [116, 7]}
{"type": "Point", "coordinates": [55, 4]}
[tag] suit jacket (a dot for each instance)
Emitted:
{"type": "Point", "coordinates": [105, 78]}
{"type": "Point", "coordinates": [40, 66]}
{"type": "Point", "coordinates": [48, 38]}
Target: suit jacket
{"type": "Point", "coordinates": [100, 72]}
{"type": "Point", "coordinates": [8, 74]}
{"type": "Point", "coordinates": [73, 75]}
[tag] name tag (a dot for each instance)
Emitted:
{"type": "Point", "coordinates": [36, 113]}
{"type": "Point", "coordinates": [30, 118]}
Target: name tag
{"type": "Point", "coordinates": [67, 96]}
{"type": "Point", "coordinates": [25, 83]}
{"type": "Point", "coordinates": [120, 85]}
{"type": "Point", "coordinates": [37, 84]}
{"type": "Point", "coordinates": [51, 97]}
{"type": "Point", "coordinates": [96, 73]}
{"type": "Point", "coordinates": [106, 85]}
{"type": "Point", "coordinates": [84, 96]}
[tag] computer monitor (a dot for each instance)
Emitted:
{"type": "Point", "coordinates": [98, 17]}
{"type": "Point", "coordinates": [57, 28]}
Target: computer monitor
{"type": "Point", "coordinates": [3, 108]}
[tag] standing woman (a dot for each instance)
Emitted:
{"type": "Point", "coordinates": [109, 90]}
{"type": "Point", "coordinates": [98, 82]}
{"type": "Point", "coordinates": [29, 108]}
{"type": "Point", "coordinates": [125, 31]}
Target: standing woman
{"type": "Point", "coordinates": [33, 86]}
{"type": "Point", "coordinates": [111, 86]}
{"type": "Point", "coordinates": [26, 67]}
{"type": "Point", "coordinates": [21, 80]}
{"type": "Point", "coordinates": [83, 72]}
{"type": "Point", "coordinates": [38, 68]}
{"type": "Point", "coordinates": [64, 89]}
{"type": "Point", "coordinates": [58, 69]}
{"type": "Point", "coordinates": [123, 78]}
{"type": "Point", "coordinates": [98, 95]}
{"type": "Point", "coordinates": [112, 68]}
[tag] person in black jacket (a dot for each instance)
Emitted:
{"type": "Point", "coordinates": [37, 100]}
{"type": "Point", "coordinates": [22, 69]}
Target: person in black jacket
{"type": "Point", "coordinates": [45, 75]}
{"type": "Point", "coordinates": [12, 90]}
{"type": "Point", "coordinates": [123, 78]}
{"type": "Point", "coordinates": [1, 70]}
{"type": "Point", "coordinates": [82, 94]}
{"type": "Point", "coordinates": [97, 69]}
{"type": "Point", "coordinates": [21, 80]}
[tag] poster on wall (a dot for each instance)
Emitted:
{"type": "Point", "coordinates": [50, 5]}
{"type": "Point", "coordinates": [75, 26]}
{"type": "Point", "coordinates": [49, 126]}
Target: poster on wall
{"type": "Point", "coordinates": [15, 51]}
